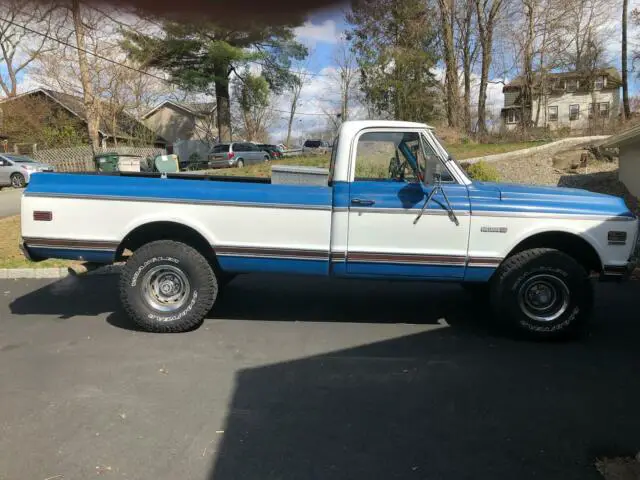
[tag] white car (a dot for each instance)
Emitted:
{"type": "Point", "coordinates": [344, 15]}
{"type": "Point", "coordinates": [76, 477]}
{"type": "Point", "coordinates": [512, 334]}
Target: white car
{"type": "Point", "coordinates": [16, 170]}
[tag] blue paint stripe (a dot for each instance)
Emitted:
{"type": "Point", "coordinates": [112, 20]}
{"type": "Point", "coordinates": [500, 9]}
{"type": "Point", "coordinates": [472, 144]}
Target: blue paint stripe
{"type": "Point", "coordinates": [179, 189]}
{"type": "Point", "coordinates": [237, 264]}
{"type": "Point", "coordinates": [405, 271]}
{"type": "Point", "coordinates": [97, 256]}
{"type": "Point", "coordinates": [479, 274]}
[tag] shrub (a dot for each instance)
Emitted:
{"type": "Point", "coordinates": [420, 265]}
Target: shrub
{"type": "Point", "coordinates": [482, 172]}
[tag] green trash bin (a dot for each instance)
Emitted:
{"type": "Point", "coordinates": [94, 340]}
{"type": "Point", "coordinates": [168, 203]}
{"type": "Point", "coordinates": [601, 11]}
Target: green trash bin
{"type": "Point", "coordinates": [106, 162]}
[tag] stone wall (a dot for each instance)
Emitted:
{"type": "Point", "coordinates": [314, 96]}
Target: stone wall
{"type": "Point", "coordinates": [548, 149]}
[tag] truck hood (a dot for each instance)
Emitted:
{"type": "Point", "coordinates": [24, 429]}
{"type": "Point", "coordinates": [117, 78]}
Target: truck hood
{"type": "Point", "coordinates": [543, 199]}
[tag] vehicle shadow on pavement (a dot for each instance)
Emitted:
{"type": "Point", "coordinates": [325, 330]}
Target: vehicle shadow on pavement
{"type": "Point", "coordinates": [70, 297]}
{"type": "Point", "coordinates": [442, 404]}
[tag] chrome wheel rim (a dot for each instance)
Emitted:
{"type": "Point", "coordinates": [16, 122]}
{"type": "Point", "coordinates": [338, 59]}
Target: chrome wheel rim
{"type": "Point", "coordinates": [166, 288]}
{"type": "Point", "coordinates": [16, 181]}
{"type": "Point", "coordinates": [544, 297]}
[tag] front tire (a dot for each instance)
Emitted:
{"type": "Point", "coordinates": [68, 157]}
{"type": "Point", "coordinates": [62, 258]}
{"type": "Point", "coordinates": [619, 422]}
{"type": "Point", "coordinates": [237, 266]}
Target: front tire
{"type": "Point", "coordinates": [18, 181]}
{"type": "Point", "coordinates": [542, 293]}
{"type": "Point", "coordinates": [167, 286]}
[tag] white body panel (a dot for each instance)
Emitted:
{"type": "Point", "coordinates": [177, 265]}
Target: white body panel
{"type": "Point", "coordinates": [219, 225]}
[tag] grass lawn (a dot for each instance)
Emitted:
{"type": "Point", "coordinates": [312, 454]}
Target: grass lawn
{"type": "Point", "coordinates": [459, 151]}
{"type": "Point", "coordinates": [10, 254]}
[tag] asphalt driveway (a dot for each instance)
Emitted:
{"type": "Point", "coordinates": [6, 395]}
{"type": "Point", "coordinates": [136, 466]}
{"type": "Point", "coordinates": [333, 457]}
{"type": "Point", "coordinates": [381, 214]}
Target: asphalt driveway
{"type": "Point", "coordinates": [305, 379]}
{"type": "Point", "coordinates": [10, 202]}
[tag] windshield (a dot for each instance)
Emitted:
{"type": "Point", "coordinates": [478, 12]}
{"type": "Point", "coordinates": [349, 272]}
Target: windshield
{"type": "Point", "coordinates": [312, 143]}
{"type": "Point", "coordinates": [18, 159]}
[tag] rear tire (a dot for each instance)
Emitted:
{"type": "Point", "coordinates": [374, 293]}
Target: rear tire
{"type": "Point", "coordinates": [267, 158]}
{"type": "Point", "coordinates": [542, 293]}
{"type": "Point", "coordinates": [167, 286]}
{"type": "Point", "coordinates": [240, 164]}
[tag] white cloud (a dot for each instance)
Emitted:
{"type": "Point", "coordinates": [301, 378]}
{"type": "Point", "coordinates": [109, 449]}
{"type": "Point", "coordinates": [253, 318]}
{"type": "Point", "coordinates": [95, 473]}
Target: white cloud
{"type": "Point", "coordinates": [325, 32]}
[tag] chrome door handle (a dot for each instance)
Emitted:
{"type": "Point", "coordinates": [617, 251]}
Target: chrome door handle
{"type": "Point", "coordinates": [362, 202]}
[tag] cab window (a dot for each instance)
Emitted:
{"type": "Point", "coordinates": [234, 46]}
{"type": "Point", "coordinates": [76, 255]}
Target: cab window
{"type": "Point", "coordinates": [390, 156]}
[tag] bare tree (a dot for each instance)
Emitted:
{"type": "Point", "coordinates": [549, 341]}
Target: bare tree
{"type": "Point", "coordinates": [109, 83]}
{"type": "Point", "coordinates": [625, 79]}
{"type": "Point", "coordinates": [300, 80]}
{"type": "Point", "coordinates": [468, 48]}
{"type": "Point", "coordinates": [91, 102]}
{"type": "Point", "coordinates": [487, 12]}
{"type": "Point", "coordinates": [346, 76]}
{"type": "Point", "coordinates": [21, 46]}
{"type": "Point", "coordinates": [585, 22]}
{"type": "Point", "coordinates": [447, 23]}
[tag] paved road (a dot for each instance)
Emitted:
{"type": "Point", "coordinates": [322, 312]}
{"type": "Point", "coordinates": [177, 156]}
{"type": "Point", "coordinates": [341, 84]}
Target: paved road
{"type": "Point", "coordinates": [302, 379]}
{"type": "Point", "coordinates": [9, 202]}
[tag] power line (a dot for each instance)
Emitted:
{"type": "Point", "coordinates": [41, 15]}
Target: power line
{"type": "Point", "coordinates": [97, 55]}
{"type": "Point", "coordinates": [114, 62]}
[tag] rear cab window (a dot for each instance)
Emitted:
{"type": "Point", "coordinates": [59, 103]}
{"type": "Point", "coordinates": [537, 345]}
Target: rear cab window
{"type": "Point", "coordinates": [222, 148]}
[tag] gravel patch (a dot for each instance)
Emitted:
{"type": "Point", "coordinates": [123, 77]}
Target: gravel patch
{"type": "Point", "coordinates": [597, 176]}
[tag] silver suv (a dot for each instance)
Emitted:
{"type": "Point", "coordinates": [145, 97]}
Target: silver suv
{"type": "Point", "coordinates": [236, 154]}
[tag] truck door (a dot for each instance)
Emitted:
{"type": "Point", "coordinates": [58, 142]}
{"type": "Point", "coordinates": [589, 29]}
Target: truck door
{"type": "Point", "coordinates": [390, 235]}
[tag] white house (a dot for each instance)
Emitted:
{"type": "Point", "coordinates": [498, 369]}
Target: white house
{"type": "Point", "coordinates": [569, 100]}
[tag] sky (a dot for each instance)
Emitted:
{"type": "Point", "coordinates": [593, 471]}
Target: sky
{"type": "Point", "coordinates": [321, 33]}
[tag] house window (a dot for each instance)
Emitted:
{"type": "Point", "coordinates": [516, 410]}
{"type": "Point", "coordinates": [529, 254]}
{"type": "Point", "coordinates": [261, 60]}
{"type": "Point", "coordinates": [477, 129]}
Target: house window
{"type": "Point", "coordinates": [513, 115]}
{"type": "Point", "coordinates": [574, 112]}
{"type": "Point", "coordinates": [599, 83]}
{"type": "Point", "coordinates": [600, 109]}
{"type": "Point", "coordinates": [553, 114]}
{"type": "Point", "coordinates": [603, 109]}
{"type": "Point", "coordinates": [571, 85]}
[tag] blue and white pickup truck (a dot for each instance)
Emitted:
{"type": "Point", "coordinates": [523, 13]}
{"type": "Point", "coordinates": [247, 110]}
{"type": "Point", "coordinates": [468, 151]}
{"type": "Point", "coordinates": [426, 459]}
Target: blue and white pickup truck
{"type": "Point", "coordinates": [393, 205]}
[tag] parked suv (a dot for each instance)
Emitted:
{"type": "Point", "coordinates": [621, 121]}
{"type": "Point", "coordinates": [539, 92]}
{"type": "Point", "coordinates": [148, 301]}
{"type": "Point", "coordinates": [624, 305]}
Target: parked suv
{"type": "Point", "coordinates": [16, 170]}
{"type": "Point", "coordinates": [273, 150]}
{"type": "Point", "coordinates": [315, 146]}
{"type": "Point", "coordinates": [236, 154]}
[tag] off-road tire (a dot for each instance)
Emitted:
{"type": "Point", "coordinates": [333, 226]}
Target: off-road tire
{"type": "Point", "coordinates": [202, 279]}
{"type": "Point", "coordinates": [523, 266]}
{"type": "Point", "coordinates": [18, 180]}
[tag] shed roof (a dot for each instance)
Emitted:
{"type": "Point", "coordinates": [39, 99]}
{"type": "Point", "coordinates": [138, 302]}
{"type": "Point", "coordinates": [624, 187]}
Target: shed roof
{"type": "Point", "coordinates": [625, 137]}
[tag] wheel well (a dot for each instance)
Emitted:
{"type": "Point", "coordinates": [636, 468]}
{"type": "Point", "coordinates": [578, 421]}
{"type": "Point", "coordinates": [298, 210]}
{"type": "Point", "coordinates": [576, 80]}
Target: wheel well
{"type": "Point", "coordinates": [571, 244]}
{"type": "Point", "coordinates": [151, 232]}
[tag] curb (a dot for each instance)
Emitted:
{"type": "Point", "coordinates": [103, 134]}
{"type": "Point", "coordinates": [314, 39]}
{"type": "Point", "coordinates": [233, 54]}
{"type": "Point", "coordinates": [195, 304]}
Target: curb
{"type": "Point", "coordinates": [62, 272]}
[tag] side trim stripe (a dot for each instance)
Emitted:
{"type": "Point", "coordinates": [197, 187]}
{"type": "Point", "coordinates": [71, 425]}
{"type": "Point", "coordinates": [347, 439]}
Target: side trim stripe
{"type": "Point", "coordinates": [356, 257]}
{"type": "Point", "coordinates": [70, 244]}
{"type": "Point", "coordinates": [260, 252]}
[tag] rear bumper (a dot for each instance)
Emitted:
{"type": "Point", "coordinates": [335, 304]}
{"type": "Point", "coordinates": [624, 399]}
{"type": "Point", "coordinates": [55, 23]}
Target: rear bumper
{"type": "Point", "coordinates": [27, 253]}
